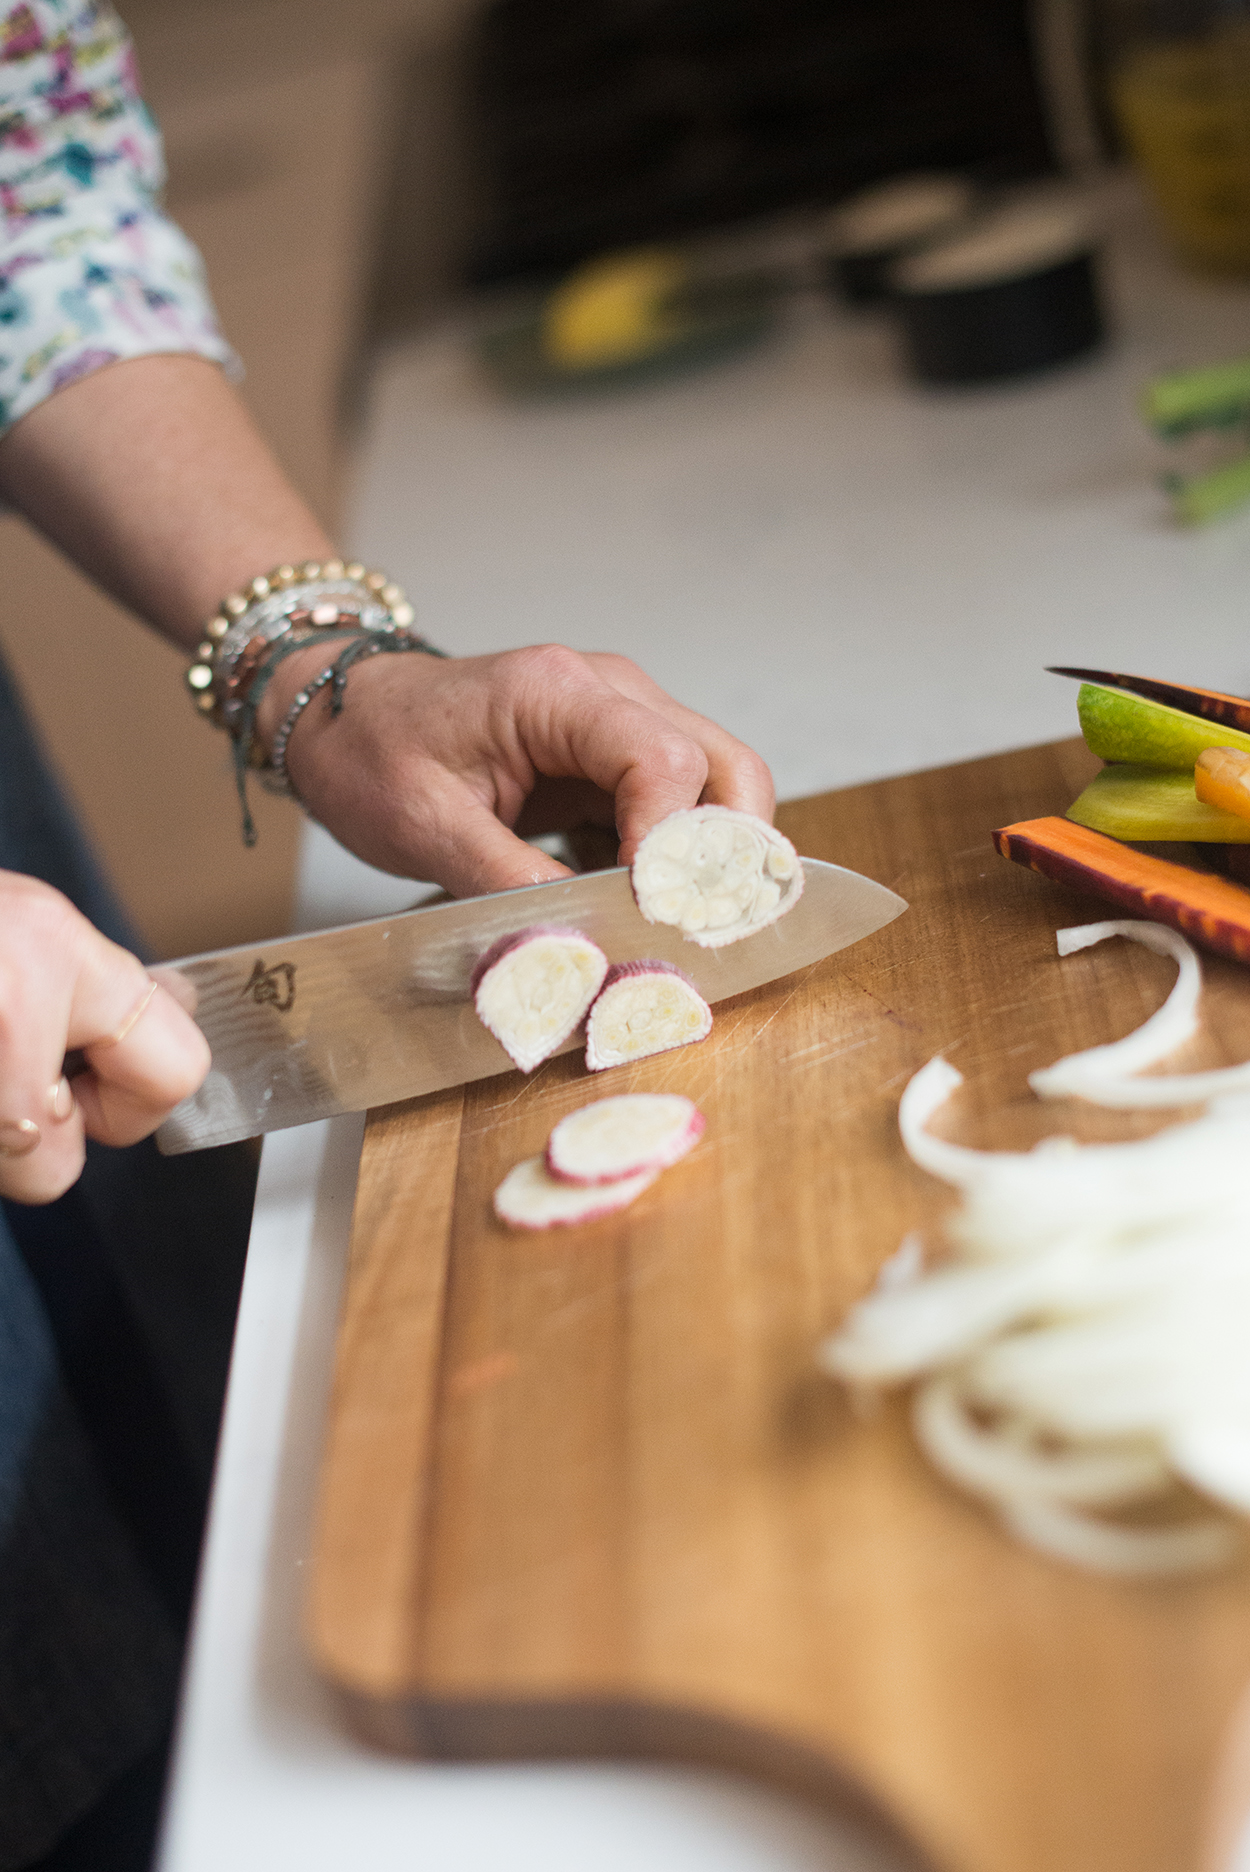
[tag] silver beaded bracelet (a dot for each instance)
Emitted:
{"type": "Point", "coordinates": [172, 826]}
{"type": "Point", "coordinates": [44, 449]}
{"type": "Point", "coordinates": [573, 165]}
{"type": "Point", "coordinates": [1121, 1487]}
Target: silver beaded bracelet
{"type": "Point", "coordinates": [275, 778]}
{"type": "Point", "coordinates": [273, 775]}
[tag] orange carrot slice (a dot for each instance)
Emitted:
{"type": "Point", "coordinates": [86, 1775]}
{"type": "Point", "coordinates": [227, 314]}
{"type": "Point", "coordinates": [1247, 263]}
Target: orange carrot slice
{"type": "Point", "coordinates": [1222, 778]}
{"type": "Point", "coordinates": [1208, 909]}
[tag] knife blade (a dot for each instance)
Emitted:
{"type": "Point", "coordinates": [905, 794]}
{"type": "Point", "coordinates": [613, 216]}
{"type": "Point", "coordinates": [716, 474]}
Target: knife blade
{"type": "Point", "coordinates": [310, 1026]}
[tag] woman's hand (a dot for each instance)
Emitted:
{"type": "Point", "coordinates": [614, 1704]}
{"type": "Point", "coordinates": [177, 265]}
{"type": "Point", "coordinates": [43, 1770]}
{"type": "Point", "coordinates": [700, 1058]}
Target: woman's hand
{"type": "Point", "coordinates": [434, 766]}
{"type": "Point", "coordinates": [64, 986]}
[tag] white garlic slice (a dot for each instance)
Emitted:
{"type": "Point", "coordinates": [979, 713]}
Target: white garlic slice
{"type": "Point", "coordinates": [533, 989]}
{"type": "Point", "coordinates": [716, 874]}
{"type": "Point", "coordinates": [644, 1008]}
{"type": "Point", "coordinates": [531, 1198]}
{"type": "Point", "coordinates": [625, 1136]}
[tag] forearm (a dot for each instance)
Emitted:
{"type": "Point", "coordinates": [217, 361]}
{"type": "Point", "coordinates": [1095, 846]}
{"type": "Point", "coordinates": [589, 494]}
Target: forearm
{"type": "Point", "coordinates": [151, 476]}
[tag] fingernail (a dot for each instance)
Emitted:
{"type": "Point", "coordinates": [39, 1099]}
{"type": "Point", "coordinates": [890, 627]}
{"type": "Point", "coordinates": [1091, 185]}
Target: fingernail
{"type": "Point", "coordinates": [61, 1099]}
{"type": "Point", "coordinates": [18, 1137]}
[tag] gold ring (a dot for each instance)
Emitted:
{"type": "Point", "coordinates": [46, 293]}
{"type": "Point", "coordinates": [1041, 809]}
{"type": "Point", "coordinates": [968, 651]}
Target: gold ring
{"type": "Point", "coordinates": [131, 1021]}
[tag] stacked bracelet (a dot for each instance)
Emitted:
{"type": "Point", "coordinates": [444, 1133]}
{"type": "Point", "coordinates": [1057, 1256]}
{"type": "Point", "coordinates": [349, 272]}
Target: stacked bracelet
{"type": "Point", "coordinates": [317, 594]}
{"type": "Point", "coordinates": [254, 630]}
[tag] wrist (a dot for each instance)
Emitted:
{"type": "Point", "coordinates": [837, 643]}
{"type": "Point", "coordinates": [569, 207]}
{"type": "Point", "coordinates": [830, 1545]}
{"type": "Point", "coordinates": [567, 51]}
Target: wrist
{"type": "Point", "coordinates": [289, 679]}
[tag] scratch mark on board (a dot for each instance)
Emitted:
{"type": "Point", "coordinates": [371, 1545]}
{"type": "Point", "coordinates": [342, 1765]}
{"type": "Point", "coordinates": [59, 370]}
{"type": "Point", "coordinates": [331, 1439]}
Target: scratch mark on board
{"type": "Point", "coordinates": [826, 1053]}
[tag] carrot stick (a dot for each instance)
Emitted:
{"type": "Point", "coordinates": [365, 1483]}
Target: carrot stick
{"type": "Point", "coordinates": [1209, 909]}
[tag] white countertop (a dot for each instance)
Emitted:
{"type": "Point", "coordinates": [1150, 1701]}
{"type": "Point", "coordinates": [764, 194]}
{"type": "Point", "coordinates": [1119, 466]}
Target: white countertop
{"type": "Point", "coordinates": [859, 578]}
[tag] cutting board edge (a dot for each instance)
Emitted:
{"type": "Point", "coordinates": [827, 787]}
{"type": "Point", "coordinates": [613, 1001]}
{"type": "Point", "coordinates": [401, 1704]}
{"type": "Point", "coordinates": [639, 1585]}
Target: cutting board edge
{"type": "Point", "coordinates": [609, 1728]}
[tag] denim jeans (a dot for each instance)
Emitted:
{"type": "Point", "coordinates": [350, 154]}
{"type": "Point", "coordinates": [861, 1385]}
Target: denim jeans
{"type": "Point", "coordinates": [116, 1308]}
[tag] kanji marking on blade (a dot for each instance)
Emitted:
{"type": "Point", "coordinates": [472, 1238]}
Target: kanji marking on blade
{"type": "Point", "coordinates": [272, 987]}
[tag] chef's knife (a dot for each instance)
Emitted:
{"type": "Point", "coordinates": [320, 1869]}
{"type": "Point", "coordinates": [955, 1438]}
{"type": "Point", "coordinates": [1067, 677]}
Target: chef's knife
{"type": "Point", "coordinates": [309, 1026]}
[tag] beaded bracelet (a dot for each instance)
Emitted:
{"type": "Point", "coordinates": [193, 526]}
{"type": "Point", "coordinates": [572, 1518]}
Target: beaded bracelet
{"type": "Point", "coordinates": [317, 592]}
{"type": "Point", "coordinates": [243, 734]}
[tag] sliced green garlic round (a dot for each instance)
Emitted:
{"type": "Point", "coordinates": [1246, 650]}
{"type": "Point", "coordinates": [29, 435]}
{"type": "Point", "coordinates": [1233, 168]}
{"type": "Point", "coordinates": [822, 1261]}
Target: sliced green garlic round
{"type": "Point", "coordinates": [533, 988]}
{"type": "Point", "coordinates": [716, 875]}
{"type": "Point", "coordinates": [644, 1008]}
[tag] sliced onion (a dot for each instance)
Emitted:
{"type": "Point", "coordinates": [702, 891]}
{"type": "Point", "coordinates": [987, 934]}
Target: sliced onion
{"type": "Point", "coordinates": [1132, 1552]}
{"type": "Point", "coordinates": [1003, 1462]}
{"type": "Point", "coordinates": [904, 1267]}
{"type": "Point", "coordinates": [897, 1334]}
{"type": "Point", "coordinates": [1215, 1456]}
{"type": "Point", "coordinates": [1101, 1074]}
{"type": "Point", "coordinates": [1089, 1344]}
{"type": "Point", "coordinates": [1163, 1091]}
{"type": "Point", "coordinates": [925, 1092]}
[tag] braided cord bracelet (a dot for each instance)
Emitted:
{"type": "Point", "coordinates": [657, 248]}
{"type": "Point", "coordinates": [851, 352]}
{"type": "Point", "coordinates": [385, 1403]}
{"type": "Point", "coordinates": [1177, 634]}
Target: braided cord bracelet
{"type": "Point", "coordinates": [277, 779]}
{"type": "Point", "coordinates": [243, 735]}
{"type": "Point", "coordinates": [362, 642]}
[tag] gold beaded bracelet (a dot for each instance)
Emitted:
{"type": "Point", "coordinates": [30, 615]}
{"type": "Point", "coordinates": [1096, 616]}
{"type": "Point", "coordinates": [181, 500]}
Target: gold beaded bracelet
{"type": "Point", "coordinates": [263, 610]}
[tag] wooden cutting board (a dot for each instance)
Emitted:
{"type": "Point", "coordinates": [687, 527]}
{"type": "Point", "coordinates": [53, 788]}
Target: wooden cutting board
{"type": "Point", "coordinates": [584, 1492]}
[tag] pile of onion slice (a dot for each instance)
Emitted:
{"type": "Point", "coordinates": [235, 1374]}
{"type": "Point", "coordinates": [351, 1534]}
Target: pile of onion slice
{"type": "Point", "coordinates": [1082, 1356]}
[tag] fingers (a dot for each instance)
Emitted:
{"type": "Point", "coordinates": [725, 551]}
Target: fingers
{"type": "Point", "coordinates": [65, 986]}
{"type": "Point", "coordinates": [180, 986]}
{"type": "Point", "coordinates": [41, 1125]}
{"type": "Point", "coordinates": [736, 775]}
{"type": "Point", "coordinates": [657, 770]}
{"type": "Point", "coordinates": [574, 723]}
{"type": "Point", "coordinates": [141, 1069]}
{"type": "Point", "coordinates": [467, 848]}
{"type": "Point", "coordinates": [555, 725]}
{"type": "Point", "coordinates": [432, 762]}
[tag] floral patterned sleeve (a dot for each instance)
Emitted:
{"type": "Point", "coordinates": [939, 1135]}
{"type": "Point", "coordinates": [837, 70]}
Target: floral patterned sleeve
{"type": "Point", "coordinates": [91, 271]}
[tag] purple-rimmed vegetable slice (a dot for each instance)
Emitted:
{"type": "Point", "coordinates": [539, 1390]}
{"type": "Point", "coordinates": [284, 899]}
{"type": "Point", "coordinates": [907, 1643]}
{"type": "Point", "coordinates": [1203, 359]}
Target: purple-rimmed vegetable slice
{"type": "Point", "coordinates": [644, 1008]}
{"type": "Point", "coordinates": [533, 989]}
{"type": "Point", "coordinates": [531, 1198]}
{"type": "Point", "coordinates": [715, 874]}
{"type": "Point", "coordinates": [632, 1135]}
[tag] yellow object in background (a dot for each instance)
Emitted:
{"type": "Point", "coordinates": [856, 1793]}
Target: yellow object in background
{"type": "Point", "coordinates": [613, 311]}
{"type": "Point", "coordinates": [1222, 778]}
{"type": "Point", "coordinates": [1184, 109]}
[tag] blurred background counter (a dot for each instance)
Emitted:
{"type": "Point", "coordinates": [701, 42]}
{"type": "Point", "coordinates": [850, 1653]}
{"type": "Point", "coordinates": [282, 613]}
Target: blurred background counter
{"type": "Point", "coordinates": [857, 576]}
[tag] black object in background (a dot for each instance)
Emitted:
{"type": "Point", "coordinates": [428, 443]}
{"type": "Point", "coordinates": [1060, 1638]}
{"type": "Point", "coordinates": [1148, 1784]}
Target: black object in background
{"type": "Point", "coordinates": [601, 123]}
{"type": "Point", "coordinates": [1015, 293]}
{"type": "Point", "coordinates": [1006, 330]}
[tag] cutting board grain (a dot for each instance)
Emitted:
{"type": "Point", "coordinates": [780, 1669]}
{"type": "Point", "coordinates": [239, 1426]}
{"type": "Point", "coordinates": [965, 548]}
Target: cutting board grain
{"type": "Point", "coordinates": [585, 1493]}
